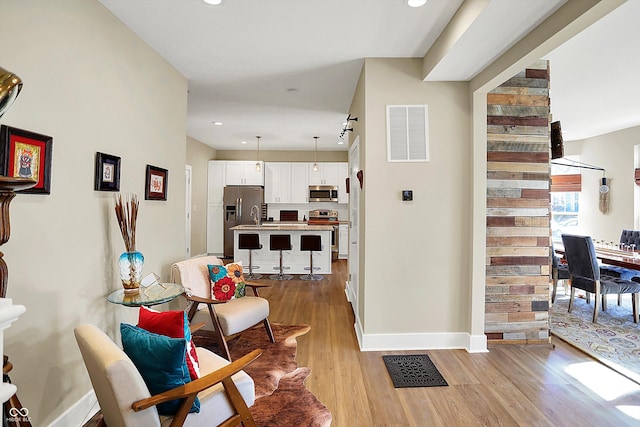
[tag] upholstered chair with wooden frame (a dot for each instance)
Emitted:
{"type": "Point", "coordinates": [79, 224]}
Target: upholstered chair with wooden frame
{"type": "Point", "coordinates": [225, 391]}
{"type": "Point", "coordinates": [584, 273]}
{"type": "Point", "coordinates": [222, 319]}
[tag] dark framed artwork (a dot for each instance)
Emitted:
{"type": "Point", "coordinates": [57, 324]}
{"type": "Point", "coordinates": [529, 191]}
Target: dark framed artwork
{"type": "Point", "coordinates": [26, 154]}
{"type": "Point", "coordinates": [155, 187]}
{"type": "Point", "coordinates": [107, 173]}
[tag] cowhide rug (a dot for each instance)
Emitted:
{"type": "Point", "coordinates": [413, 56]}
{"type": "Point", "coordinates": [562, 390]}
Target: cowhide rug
{"type": "Point", "coordinates": [281, 397]}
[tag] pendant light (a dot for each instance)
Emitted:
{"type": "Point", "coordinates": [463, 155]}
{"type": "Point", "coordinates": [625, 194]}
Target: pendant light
{"type": "Point", "coordinates": [315, 155]}
{"type": "Point", "coordinates": [258, 155]}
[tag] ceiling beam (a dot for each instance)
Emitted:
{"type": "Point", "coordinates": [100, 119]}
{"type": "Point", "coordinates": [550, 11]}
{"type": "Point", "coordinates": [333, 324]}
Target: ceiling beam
{"type": "Point", "coordinates": [464, 17]}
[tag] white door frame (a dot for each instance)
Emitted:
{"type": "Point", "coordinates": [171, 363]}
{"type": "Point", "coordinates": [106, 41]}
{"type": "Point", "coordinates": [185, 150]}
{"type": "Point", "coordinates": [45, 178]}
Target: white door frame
{"type": "Point", "coordinates": [352, 288]}
{"type": "Point", "coordinates": [188, 172]}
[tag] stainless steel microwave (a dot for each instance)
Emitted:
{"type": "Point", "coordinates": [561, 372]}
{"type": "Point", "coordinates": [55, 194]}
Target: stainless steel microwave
{"type": "Point", "coordinates": [323, 193]}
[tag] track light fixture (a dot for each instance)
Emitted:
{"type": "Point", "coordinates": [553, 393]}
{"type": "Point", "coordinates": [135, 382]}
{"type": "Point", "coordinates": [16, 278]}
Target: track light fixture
{"type": "Point", "coordinates": [346, 129]}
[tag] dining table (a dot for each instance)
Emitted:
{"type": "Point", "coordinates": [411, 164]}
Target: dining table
{"type": "Point", "coordinates": [613, 256]}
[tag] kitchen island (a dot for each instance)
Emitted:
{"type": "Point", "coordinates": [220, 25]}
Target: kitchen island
{"type": "Point", "coordinates": [267, 262]}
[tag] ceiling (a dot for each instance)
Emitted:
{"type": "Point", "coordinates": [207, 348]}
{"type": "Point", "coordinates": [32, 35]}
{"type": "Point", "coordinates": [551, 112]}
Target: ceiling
{"type": "Point", "coordinates": [287, 69]}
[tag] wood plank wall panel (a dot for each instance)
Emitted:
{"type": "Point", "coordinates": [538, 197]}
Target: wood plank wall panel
{"type": "Point", "coordinates": [518, 174]}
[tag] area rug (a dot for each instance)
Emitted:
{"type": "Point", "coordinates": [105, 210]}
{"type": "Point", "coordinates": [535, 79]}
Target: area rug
{"type": "Point", "coordinates": [281, 397]}
{"type": "Point", "coordinates": [413, 370]}
{"type": "Point", "coordinates": [614, 340]}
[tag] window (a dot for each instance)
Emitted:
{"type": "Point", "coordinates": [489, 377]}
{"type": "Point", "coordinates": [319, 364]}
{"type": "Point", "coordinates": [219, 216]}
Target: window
{"type": "Point", "coordinates": [565, 205]}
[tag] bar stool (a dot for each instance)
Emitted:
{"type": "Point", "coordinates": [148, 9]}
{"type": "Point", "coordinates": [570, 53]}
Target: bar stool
{"type": "Point", "coordinates": [250, 242]}
{"type": "Point", "coordinates": [311, 243]}
{"type": "Point", "coordinates": [280, 242]}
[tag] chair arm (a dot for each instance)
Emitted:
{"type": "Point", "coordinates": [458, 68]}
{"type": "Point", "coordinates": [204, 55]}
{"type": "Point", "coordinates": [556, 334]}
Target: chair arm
{"type": "Point", "coordinates": [196, 327]}
{"type": "Point", "coordinates": [203, 300]}
{"type": "Point", "coordinates": [255, 286]}
{"type": "Point", "coordinates": [191, 389]}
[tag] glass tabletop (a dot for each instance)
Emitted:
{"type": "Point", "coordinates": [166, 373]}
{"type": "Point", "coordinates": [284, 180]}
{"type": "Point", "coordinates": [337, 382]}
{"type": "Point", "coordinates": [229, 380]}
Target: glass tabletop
{"type": "Point", "coordinates": [156, 293]}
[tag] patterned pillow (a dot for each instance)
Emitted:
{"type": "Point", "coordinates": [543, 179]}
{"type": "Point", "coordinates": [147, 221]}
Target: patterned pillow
{"type": "Point", "coordinates": [227, 281]}
{"type": "Point", "coordinates": [172, 324]}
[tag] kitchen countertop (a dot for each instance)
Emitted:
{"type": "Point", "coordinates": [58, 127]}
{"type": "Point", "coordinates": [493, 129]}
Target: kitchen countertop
{"type": "Point", "coordinates": [266, 226]}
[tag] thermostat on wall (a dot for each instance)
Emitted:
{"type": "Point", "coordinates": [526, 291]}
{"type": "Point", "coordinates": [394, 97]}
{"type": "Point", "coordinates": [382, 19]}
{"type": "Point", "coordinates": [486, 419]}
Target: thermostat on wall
{"type": "Point", "coordinates": [407, 195]}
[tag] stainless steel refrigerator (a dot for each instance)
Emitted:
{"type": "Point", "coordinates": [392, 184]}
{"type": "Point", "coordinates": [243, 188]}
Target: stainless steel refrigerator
{"type": "Point", "coordinates": [237, 202]}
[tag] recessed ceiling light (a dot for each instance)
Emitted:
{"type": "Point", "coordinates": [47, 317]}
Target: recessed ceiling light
{"type": "Point", "coordinates": [340, 142]}
{"type": "Point", "coordinates": [217, 123]}
{"type": "Point", "coordinates": [243, 142]}
{"type": "Point", "coordinates": [213, 2]}
{"type": "Point", "coordinates": [416, 3]}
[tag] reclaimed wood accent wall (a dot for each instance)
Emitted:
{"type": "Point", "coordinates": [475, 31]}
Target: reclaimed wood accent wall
{"type": "Point", "coordinates": [518, 201]}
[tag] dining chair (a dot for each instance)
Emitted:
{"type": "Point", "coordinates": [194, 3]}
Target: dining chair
{"type": "Point", "coordinates": [559, 272]}
{"type": "Point", "coordinates": [584, 273]}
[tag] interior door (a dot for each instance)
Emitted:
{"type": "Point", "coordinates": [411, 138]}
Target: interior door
{"type": "Point", "coordinates": [354, 209]}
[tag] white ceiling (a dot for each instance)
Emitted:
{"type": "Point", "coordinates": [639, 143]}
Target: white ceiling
{"type": "Point", "coordinates": [287, 69]}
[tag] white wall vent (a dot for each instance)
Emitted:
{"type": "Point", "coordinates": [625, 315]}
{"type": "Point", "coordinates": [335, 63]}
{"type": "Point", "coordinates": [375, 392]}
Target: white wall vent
{"type": "Point", "coordinates": [407, 133]}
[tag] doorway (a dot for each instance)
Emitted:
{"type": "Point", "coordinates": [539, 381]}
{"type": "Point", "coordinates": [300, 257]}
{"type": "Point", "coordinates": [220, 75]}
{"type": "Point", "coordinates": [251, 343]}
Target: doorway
{"type": "Point", "coordinates": [354, 209]}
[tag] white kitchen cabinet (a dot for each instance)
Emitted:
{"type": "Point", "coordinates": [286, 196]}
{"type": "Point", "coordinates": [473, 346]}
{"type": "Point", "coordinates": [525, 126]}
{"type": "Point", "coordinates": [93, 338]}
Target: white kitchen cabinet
{"type": "Point", "coordinates": [327, 174]}
{"type": "Point", "coordinates": [277, 182]}
{"type": "Point", "coordinates": [286, 182]}
{"type": "Point", "coordinates": [299, 183]}
{"type": "Point", "coordinates": [343, 241]}
{"type": "Point", "coordinates": [215, 181]}
{"type": "Point", "coordinates": [240, 172]}
{"type": "Point", "coordinates": [215, 229]}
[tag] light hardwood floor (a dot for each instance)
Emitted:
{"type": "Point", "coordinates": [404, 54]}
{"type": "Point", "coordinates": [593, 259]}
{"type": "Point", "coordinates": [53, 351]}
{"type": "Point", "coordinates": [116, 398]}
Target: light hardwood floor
{"type": "Point", "coordinates": [508, 386]}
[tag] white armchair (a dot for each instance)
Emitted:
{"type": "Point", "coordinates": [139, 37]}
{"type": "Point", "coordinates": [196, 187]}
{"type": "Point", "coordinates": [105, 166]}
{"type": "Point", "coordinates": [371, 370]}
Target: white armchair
{"type": "Point", "coordinates": [224, 390]}
{"type": "Point", "coordinates": [221, 318]}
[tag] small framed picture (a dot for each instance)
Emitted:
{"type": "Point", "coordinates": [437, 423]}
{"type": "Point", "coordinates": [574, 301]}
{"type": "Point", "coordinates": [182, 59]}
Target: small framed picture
{"type": "Point", "coordinates": [107, 174]}
{"type": "Point", "coordinates": [156, 183]}
{"type": "Point", "coordinates": [26, 154]}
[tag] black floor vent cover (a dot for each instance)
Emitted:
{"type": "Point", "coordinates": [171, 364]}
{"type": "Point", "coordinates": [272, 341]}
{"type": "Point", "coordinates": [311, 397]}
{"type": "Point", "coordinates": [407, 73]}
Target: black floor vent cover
{"type": "Point", "coordinates": [413, 370]}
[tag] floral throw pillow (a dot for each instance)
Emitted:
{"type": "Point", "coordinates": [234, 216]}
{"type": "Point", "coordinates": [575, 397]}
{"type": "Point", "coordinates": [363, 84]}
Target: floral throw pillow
{"type": "Point", "coordinates": [227, 281]}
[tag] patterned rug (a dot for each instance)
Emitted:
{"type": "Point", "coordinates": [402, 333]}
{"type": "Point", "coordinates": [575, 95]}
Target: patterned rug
{"type": "Point", "coordinates": [614, 340]}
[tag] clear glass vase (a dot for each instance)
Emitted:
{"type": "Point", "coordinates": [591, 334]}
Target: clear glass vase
{"type": "Point", "coordinates": [131, 264]}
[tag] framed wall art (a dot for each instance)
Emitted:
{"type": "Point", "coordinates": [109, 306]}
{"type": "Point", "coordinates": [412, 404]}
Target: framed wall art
{"type": "Point", "coordinates": [107, 173]}
{"type": "Point", "coordinates": [155, 187]}
{"type": "Point", "coordinates": [26, 154]}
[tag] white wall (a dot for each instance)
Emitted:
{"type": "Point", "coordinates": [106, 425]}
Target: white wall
{"type": "Point", "coordinates": [94, 86]}
{"type": "Point", "coordinates": [415, 269]}
{"type": "Point", "coordinates": [615, 152]}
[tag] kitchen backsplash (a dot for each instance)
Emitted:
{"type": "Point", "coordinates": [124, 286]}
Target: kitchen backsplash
{"type": "Point", "coordinates": [273, 209]}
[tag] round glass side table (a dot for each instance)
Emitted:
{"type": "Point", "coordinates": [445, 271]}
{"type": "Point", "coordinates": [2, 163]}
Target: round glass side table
{"type": "Point", "coordinates": [156, 293]}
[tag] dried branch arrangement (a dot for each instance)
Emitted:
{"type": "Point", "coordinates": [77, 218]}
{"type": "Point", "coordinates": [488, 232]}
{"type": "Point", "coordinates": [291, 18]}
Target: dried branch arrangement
{"type": "Point", "coordinates": [127, 214]}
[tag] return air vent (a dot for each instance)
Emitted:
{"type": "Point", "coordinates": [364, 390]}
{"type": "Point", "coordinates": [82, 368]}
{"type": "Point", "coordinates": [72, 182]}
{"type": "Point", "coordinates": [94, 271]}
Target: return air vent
{"type": "Point", "coordinates": [407, 133]}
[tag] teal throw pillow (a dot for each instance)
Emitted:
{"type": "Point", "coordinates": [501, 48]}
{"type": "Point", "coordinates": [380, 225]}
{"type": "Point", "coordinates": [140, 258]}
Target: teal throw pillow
{"type": "Point", "coordinates": [160, 361]}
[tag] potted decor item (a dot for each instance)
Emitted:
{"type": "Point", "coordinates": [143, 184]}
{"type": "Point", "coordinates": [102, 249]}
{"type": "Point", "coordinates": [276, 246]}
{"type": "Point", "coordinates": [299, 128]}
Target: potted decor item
{"type": "Point", "coordinates": [131, 261]}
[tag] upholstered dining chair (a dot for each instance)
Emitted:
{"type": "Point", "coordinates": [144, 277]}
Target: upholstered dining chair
{"type": "Point", "coordinates": [225, 392]}
{"type": "Point", "coordinates": [584, 273]}
{"type": "Point", "coordinates": [222, 319]}
{"type": "Point", "coordinates": [559, 272]}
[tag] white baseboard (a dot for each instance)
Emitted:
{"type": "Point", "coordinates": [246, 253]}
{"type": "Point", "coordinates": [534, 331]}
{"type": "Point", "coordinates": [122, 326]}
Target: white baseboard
{"type": "Point", "coordinates": [78, 414]}
{"type": "Point", "coordinates": [421, 341]}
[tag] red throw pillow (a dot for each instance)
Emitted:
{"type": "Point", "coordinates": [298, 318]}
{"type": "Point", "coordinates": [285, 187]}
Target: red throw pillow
{"type": "Point", "coordinates": [172, 324]}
